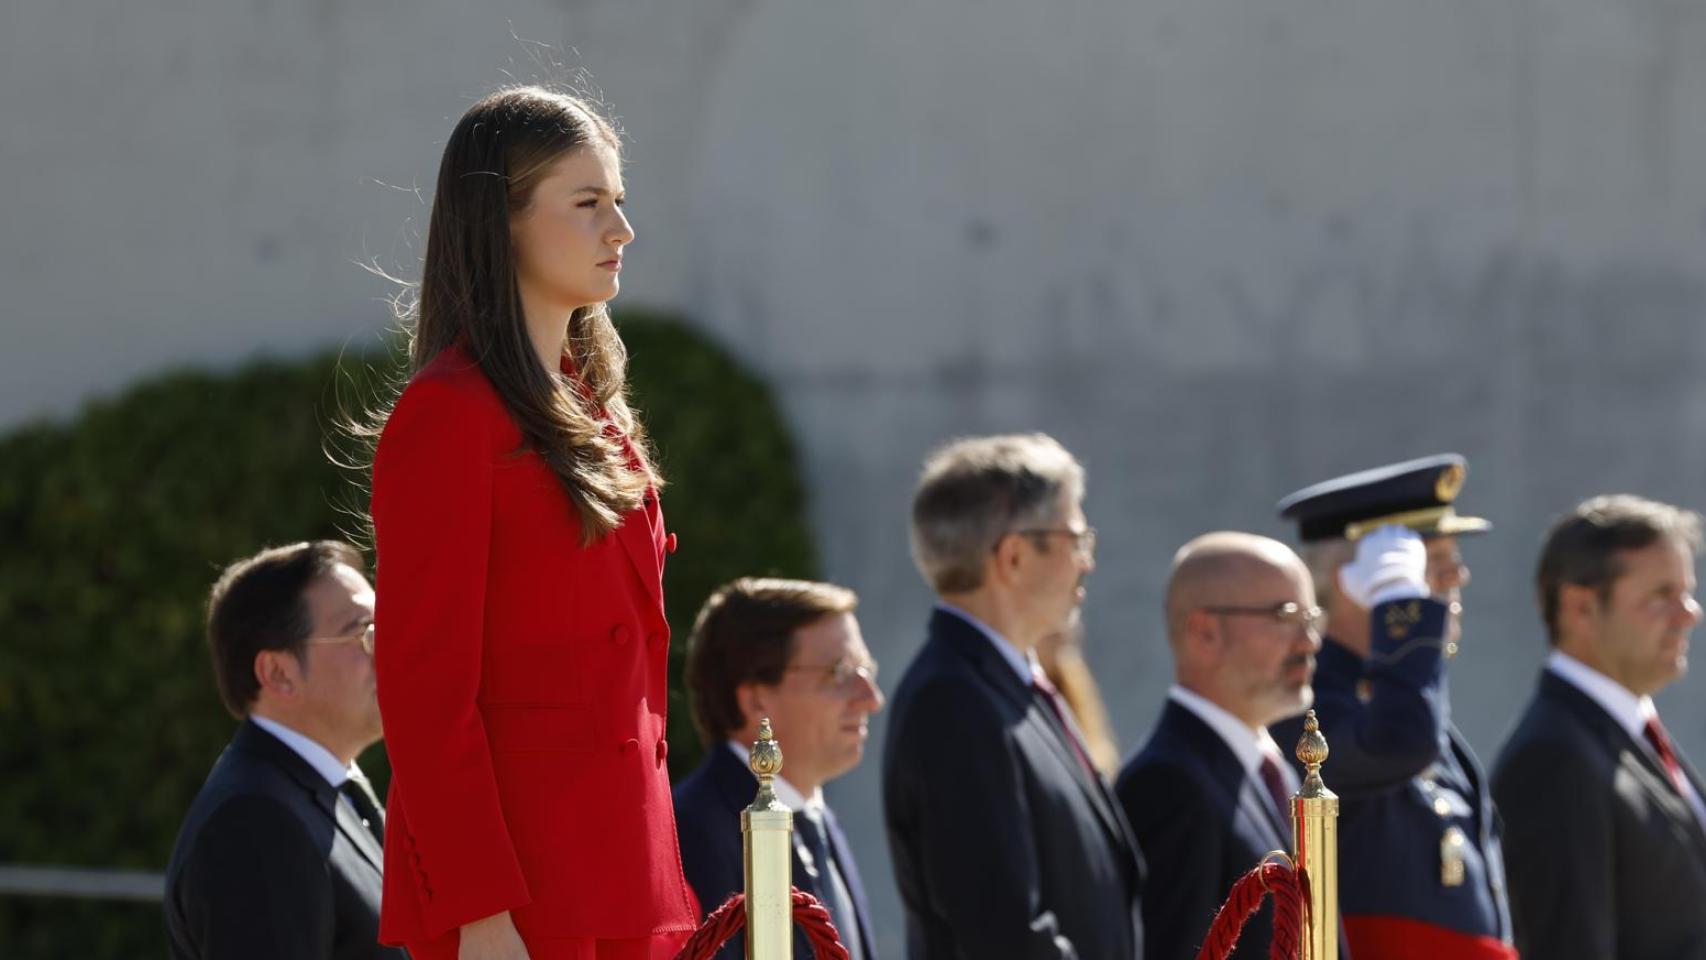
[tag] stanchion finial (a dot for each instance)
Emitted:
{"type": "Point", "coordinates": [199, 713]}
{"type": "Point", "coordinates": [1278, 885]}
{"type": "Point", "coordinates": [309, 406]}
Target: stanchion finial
{"type": "Point", "coordinates": [1312, 752]}
{"type": "Point", "coordinates": [1315, 827]}
{"type": "Point", "coordinates": [765, 763]}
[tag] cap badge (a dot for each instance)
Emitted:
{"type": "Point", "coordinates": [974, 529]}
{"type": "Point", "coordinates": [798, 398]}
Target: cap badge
{"type": "Point", "coordinates": [1450, 482]}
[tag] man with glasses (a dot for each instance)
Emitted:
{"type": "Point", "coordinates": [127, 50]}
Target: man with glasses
{"type": "Point", "coordinates": [1420, 868]}
{"type": "Point", "coordinates": [790, 651]}
{"type": "Point", "coordinates": [1006, 842]}
{"type": "Point", "coordinates": [280, 853]}
{"type": "Point", "coordinates": [1208, 795]}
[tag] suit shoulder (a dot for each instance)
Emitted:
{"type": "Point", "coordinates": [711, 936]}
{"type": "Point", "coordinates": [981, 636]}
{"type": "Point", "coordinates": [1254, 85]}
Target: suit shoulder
{"type": "Point", "coordinates": [445, 412]}
{"type": "Point", "coordinates": [937, 706]}
{"type": "Point", "coordinates": [1549, 748]}
{"type": "Point", "coordinates": [699, 804]}
{"type": "Point", "coordinates": [933, 691]}
{"type": "Point", "coordinates": [452, 386]}
{"type": "Point", "coordinates": [1162, 780]}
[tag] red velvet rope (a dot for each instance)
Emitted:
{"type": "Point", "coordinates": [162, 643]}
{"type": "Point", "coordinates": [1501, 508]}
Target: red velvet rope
{"type": "Point", "coordinates": [725, 921]}
{"type": "Point", "coordinates": [1288, 887]}
{"type": "Point", "coordinates": [1290, 891]}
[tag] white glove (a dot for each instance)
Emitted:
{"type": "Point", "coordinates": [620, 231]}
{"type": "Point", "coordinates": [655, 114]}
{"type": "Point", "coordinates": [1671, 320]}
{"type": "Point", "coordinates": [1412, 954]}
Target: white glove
{"type": "Point", "coordinates": [1391, 564]}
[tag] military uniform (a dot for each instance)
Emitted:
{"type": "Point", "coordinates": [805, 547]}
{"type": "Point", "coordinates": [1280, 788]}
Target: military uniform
{"type": "Point", "coordinates": [1420, 868]}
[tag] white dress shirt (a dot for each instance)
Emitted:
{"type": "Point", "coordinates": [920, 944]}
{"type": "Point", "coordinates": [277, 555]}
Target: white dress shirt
{"type": "Point", "coordinates": [1024, 663]}
{"type": "Point", "coordinates": [1630, 711]}
{"type": "Point", "coordinates": [1249, 744]}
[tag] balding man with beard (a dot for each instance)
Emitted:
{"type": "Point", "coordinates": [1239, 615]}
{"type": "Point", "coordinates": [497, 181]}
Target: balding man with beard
{"type": "Point", "coordinates": [1208, 794]}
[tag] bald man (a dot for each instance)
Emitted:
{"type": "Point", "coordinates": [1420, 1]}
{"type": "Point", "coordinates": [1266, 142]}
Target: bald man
{"type": "Point", "coordinates": [1208, 794]}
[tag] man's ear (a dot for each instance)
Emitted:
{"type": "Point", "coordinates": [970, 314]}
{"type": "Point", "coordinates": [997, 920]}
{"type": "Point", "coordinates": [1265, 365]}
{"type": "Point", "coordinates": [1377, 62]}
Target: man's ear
{"type": "Point", "coordinates": [1007, 558]}
{"type": "Point", "coordinates": [1577, 603]}
{"type": "Point", "coordinates": [278, 672]}
{"type": "Point", "coordinates": [754, 701]}
{"type": "Point", "coordinates": [1202, 634]}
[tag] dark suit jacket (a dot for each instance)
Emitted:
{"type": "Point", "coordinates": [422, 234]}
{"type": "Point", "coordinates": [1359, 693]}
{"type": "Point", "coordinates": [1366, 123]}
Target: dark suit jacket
{"type": "Point", "coordinates": [707, 818]}
{"type": "Point", "coordinates": [270, 864]}
{"type": "Point", "coordinates": [1202, 824]}
{"type": "Point", "coordinates": [1003, 845]}
{"type": "Point", "coordinates": [1606, 860]}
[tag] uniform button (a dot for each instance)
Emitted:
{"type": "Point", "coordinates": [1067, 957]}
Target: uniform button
{"type": "Point", "coordinates": [663, 750]}
{"type": "Point", "coordinates": [628, 746]}
{"type": "Point", "coordinates": [669, 543]}
{"type": "Point", "coordinates": [619, 634]}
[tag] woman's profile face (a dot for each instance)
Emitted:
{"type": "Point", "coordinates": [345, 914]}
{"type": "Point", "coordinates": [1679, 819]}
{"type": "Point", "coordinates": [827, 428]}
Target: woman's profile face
{"type": "Point", "coordinates": [569, 238]}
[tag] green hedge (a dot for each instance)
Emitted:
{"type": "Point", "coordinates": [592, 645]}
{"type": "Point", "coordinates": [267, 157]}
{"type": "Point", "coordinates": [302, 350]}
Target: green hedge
{"type": "Point", "coordinates": [113, 525]}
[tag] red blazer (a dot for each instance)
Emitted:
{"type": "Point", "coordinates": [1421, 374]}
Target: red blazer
{"type": "Point", "coordinates": [522, 682]}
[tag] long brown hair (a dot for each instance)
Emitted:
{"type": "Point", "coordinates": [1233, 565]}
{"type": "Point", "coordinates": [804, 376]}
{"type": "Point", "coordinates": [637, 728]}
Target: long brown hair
{"type": "Point", "coordinates": [500, 150]}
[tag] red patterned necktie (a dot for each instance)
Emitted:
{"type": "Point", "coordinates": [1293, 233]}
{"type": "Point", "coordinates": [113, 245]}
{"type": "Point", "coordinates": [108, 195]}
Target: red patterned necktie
{"type": "Point", "coordinates": [1667, 754]}
{"type": "Point", "coordinates": [1275, 782]}
{"type": "Point", "coordinates": [1051, 696]}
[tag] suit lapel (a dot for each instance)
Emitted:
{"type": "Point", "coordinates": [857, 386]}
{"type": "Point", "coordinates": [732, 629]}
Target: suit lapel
{"type": "Point", "coordinates": [635, 535]}
{"type": "Point", "coordinates": [251, 738]}
{"type": "Point", "coordinates": [352, 829]}
{"type": "Point", "coordinates": [1693, 777]}
{"type": "Point", "coordinates": [970, 644]}
{"type": "Point", "coordinates": [1248, 795]}
{"type": "Point", "coordinates": [1259, 809]}
{"type": "Point", "coordinates": [1653, 776]}
{"type": "Point", "coordinates": [850, 874]}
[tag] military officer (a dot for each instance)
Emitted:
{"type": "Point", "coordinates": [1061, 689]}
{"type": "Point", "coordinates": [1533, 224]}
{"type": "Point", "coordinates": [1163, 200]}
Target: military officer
{"type": "Point", "coordinates": [1421, 874]}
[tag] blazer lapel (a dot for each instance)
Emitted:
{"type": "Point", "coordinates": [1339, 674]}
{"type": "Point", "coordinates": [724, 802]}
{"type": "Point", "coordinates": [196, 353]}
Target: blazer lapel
{"type": "Point", "coordinates": [1693, 776]}
{"type": "Point", "coordinates": [970, 643]}
{"type": "Point", "coordinates": [352, 829]}
{"type": "Point", "coordinates": [250, 737]}
{"type": "Point", "coordinates": [635, 535]}
{"type": "Point", "coordinates": [1249, 795]}
{"type": "Point", "coordinates": [850, 873]}
{"type": "Point", "coordinates": [1656, 780]}
{"type": "Point", "coordinates": [1260, 811]}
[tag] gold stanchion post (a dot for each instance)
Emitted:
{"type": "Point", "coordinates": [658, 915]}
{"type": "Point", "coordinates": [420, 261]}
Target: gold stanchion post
{"type": "Point", "coordinates": [1315, 828]}
{"type": "Point", "coordinates": [767, 830]}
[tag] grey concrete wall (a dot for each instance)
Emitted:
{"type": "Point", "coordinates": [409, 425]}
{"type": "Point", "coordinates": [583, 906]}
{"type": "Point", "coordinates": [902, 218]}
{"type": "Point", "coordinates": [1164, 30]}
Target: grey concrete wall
{"type": "Point", "coordinates": [1221, 249]}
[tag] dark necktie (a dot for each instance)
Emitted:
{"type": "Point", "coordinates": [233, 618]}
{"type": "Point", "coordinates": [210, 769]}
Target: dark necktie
{"type": "Point", "coordinates": [1277, 792]}
{"type": "Point", "coordinates": [1667, 755]}
{"type": "Point", "coordinates": [366, 806]}
{"type": "Point", "coordinates": [1051, 696]}
{"type": "Point", "coordinates": [831, 885]}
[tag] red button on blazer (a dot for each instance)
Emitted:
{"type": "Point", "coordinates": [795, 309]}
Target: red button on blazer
{"type": "Point", "coordinates": [510, 689]}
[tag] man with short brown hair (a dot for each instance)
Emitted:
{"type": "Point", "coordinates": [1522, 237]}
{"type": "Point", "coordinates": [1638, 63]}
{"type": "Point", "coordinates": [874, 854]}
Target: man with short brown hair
{"type": "Point", "coordinates": [1605, 829]}
{"type": "Point", "coordinates": [789, 651]}
{"type": "Point", "coordinates": [280, 854]}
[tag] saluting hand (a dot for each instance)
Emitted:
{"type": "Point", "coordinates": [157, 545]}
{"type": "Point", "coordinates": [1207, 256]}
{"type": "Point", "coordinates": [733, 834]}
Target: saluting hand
{"type": "Point", "coordinates": [1391, 564]}
{"type": "Point", "coordinates": [493, 938]}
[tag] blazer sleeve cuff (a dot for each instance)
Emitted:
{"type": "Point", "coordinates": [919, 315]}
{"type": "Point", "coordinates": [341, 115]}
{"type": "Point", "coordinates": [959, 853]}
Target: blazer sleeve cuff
{"type": "Point", "coordinates": [1408, 639]}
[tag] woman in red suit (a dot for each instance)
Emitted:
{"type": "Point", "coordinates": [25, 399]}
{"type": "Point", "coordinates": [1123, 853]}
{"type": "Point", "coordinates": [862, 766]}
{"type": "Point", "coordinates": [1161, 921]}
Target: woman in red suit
{"type": "Point", "coordinates": [522, 642]}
